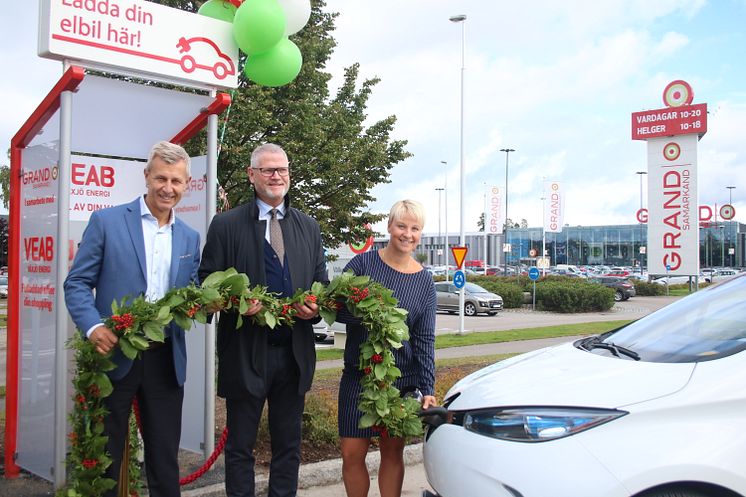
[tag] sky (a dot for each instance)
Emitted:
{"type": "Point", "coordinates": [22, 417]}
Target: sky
{"type": "Point", "coordinates": [556, 81]}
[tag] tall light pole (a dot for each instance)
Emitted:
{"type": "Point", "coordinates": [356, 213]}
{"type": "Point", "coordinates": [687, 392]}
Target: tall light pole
{"type": "Point", "coordinates": [505, 254]}
{"type": "Point", "coordinates": [462, 238]}
{"type": "Point", "coordinates": [445, 186]}
{"type": "Point", "coordinates": [641, 174]}
{"type": "Point", "coordinates": [440, 233]}
{"type": "Point", "coordinates": [730, 202]}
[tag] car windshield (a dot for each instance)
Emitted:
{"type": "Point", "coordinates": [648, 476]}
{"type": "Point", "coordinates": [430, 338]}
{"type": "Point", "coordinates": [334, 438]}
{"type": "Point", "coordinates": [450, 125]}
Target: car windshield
{"type": "Point", "coordinates": [707, 325]}
{"type": "Point", "coordinates": [472, 288]}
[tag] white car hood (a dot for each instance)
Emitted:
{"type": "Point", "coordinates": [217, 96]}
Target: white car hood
{"type": "Point", "coordinates": [566, 376]}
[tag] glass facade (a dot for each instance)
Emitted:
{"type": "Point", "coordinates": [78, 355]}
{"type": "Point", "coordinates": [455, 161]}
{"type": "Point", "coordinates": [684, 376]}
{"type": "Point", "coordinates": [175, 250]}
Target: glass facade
{"type": "Point", "coordinates": [721, 245]}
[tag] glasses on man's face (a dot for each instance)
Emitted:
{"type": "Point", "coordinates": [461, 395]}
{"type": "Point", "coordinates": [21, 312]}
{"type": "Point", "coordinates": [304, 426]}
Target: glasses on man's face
{"type": "Point", "coordinates": [268, 172]}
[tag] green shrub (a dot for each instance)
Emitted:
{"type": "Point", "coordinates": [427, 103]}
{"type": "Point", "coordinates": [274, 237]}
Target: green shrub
{"type": "Point", "coordinates": [507, 288]}
{"type": "Point", "coordinates": [320, 418]}
{"type": "Point", "coordinates": [645, 289]}
{"type": "Point", "coordinates": [573, 295]}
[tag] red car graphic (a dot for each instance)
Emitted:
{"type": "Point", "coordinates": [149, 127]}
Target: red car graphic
{"type": "Point", "coordinates": [221, 67]}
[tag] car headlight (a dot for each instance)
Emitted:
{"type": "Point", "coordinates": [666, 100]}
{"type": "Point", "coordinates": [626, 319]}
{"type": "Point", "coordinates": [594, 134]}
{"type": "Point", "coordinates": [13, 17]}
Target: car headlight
{"type": "Point", "coordinates": [536, 424]}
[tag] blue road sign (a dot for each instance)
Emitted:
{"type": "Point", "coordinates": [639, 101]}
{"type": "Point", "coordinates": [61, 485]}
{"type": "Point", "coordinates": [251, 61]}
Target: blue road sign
{"type": "Point", "coordinates": [533, 273]}
{"type": "Point", "coordinates": [459, 279]}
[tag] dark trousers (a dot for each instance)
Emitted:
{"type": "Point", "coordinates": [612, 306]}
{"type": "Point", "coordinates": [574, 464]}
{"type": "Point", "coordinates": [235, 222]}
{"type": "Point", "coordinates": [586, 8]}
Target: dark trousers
{"type": "Point", "coordinates": [153, 381]}
{"type": "Point", "coordinates": [285, 411]}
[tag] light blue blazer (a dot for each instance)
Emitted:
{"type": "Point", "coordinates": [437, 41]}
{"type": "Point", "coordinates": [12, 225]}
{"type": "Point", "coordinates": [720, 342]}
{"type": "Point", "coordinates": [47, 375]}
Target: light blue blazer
{"type": "Point", "coordinates": [111, 261]}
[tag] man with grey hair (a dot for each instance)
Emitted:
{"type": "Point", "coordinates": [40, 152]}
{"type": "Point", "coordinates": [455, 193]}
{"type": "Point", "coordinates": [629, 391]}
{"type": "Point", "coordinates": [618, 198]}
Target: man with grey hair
{"type": "Point", "coordinates": [280, 247]}
{"type": "Point", "coordinates": [140, 248]}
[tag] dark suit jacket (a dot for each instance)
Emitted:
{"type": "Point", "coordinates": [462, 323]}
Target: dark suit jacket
{"type": "Point", "coordinates": [236, 239]}
{"type": "Point", "coordinates": [111, 260]}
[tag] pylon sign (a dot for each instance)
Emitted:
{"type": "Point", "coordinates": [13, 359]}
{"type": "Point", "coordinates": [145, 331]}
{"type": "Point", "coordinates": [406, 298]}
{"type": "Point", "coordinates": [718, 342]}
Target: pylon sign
{"type": "Point", "coordinates": [459, 254]}
{"type": "Point", "coordinates": [672, 134]}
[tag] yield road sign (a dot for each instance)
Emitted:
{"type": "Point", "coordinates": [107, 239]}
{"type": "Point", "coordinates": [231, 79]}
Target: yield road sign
{"type": "Point", "coordinates": [459, 279]}
{"type": "Point", "coordinates": [459, 254]}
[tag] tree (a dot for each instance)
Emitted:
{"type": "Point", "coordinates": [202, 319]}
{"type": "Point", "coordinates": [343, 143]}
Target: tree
{"type": "Point", "coordinates": [3, 241]}
{"type": "Point", "coordinates": [5, 185]}
{"type": "Point", "coordinates": [421, 257]}
{"type": "Point", "coordinates": [335, 159]}
{"type": "Point", "coordinates": [480, 222]}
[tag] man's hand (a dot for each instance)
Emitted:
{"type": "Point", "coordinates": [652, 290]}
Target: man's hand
{"type": "Point", "coordinates": [308, 310]}
{"type": "Point", "coordinates": [428, 401]}
{"type": "Point", "coordinates": [103, 339]}
{"type": "Point", "coordinates": [254, 307]}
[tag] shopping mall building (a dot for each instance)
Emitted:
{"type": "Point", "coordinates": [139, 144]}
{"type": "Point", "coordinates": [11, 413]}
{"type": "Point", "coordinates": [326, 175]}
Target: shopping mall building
{"type": "Point", "coordinates": [720, 244]}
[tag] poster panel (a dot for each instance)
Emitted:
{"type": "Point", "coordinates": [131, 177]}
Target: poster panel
{"type": "Point", "coordinates": [38, 312]}
{"type": "Point", "coordinates": [554, 212]}
{"type": "Point", "coordinates": [673, 235]}
{"type": "Point", "coordinates": [495, 211]}
{"type": "Point", "coordinates": [97, 183]}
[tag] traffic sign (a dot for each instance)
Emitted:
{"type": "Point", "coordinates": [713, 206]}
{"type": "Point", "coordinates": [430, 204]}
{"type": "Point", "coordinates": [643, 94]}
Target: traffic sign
{"type": "Point", "coordinates": [459, 254]}
{"type": "Point", "coordinates": [533, 273]}
{"type": "Point", "coordinates": [459, 279]}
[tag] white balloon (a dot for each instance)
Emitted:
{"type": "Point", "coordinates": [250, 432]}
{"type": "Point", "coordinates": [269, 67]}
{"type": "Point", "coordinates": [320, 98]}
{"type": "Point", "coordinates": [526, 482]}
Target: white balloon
{"type": "Point", "coordinates": [297, 13]}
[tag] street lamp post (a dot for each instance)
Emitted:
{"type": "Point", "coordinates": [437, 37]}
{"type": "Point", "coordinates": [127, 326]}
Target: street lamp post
{"type": "Point", "coordinates": [642, 265]}
{"type": "Point", "coordinates": [462, 238]}
{"type": "Point", "coordinates": [730, 195]}
{"type": "Point", "coordinates": [445, 186]}
{"type": "Point", "coordinates": [439, 190]}
{"type": "Point", "coordinates": [730, 202]}
{"type": "Point", "coordinates": [505, 254]}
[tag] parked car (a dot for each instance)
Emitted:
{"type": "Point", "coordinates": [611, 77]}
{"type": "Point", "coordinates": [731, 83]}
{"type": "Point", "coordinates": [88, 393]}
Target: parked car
{"type": "Point", "coordinates": [4, 287]}
{"type": "Point", "coordinates": [322, 331]}
{"type": "Point", "coordinates": [476, 299]}
{"type": "Point", "coordinates": [651, 409]}
{"type": "Point", "coordinates": [623, 288]}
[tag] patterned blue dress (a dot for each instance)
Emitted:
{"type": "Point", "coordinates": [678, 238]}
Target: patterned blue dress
{"type": "Point", "coordinates": [416, 358]}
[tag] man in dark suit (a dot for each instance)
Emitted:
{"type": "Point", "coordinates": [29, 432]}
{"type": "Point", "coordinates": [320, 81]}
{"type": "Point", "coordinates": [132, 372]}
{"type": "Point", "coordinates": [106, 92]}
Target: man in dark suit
{"type": "Point", "coordinates": [277, 246]}
{"type": "Point", "coordinates": [140, 248]}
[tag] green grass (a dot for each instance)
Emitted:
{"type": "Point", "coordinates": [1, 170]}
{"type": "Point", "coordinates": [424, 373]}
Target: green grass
{"type": "Point", "coordinates": [478, 338]}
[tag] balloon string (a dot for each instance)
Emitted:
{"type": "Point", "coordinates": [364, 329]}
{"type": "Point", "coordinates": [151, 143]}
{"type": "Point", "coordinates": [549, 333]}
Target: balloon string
{"type": "Point", "coordinates": [225, 123]}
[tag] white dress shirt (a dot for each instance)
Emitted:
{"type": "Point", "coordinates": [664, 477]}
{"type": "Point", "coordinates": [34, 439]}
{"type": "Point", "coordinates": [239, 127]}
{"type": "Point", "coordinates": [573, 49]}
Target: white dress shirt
{"type": "Point", "coordinates": [264, 214]}
{"type": "Point", "coordinates": [157, 254]}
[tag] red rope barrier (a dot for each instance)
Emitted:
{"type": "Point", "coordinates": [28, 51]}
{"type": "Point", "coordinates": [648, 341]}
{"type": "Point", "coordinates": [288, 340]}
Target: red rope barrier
{"type": "Point", "coordinates": [210, 460]}
{"type": "Point", "coordinates": [208, 463]}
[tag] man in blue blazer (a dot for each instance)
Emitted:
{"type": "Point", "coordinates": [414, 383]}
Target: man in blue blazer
{"type": "Point", "coordinates": [140, 248]}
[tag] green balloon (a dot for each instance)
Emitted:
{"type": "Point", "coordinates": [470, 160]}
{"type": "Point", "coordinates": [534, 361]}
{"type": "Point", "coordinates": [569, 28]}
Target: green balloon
{"type": "Point", "coordinates": [222, 10]}
{"type": "Point", "coordinates": [258, 25]}
{"type": "Point", "coordinates": [275, 67]}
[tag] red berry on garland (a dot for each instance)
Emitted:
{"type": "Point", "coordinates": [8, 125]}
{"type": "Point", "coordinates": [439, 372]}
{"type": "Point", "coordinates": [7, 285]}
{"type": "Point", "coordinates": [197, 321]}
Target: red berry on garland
{"type": "Point", "coordinates": [376, 359]}
{"type": "Point", "coordinates": [311, 299]}
{"type": "Point", "coordinates": [368, 370]}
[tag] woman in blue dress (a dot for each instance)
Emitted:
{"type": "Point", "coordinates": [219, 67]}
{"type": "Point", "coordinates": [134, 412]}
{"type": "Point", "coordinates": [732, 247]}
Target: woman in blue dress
{"type": "Point", "coordinates": [395, 268]}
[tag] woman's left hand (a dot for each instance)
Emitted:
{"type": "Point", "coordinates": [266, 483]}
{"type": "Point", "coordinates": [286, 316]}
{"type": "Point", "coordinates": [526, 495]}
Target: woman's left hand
{"type": "Point", "coordinates": [428, 401]}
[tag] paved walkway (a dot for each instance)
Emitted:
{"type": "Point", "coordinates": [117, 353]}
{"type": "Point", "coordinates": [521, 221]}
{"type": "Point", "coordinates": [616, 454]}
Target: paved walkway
{"type": "Point", "coordinates": [323, 479]}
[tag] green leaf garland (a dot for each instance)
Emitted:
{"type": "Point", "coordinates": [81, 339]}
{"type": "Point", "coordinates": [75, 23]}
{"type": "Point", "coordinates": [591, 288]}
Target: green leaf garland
{"type": "Point", "coordinates": [138, 323]}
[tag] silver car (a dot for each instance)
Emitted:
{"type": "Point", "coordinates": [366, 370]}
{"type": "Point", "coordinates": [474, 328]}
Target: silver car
{"type": "Point", "coordinates": [476, 299]}
{"type": "Point", "coordinates": [4, 287]}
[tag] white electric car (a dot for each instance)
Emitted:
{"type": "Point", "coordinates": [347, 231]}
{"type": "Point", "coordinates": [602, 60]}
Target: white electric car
{"type": "Point", "coordinates": [656, 408]}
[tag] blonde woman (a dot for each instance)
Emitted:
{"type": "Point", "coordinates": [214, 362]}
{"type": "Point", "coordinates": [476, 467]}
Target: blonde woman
{"type": "Point", "coordinates": [395, 268]}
